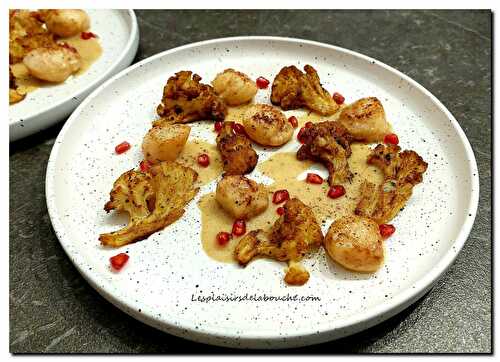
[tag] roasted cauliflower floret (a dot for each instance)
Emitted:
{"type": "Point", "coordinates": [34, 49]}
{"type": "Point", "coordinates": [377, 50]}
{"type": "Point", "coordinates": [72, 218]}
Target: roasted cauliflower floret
{"type": "Point", "coordinates": [153, 200]}
{"type": "Point", "coordinates": [329, 143]}
{"type": "Point", "coordinates": [165, 142]}
{"type": "Point", "coordinates": [402, 171]}
{"type": "Point", "coordinates": [293, 235]}
{"type": "Point", "coordinates": [185, 99]}
{"type": "Point", "coordinates": [53, 64]}
{"type": "Point", "coordinates": [365, 120]}
{"type": "Point", "coordinates": [267, 125]}
{"type": "Point", "coordinates": [355, 243]}
{"type": "Point", "coordinates": [293, 89]}
{"type": "Point", "coordinates": [237, 154]}
{"type": "Point", "coordinates": [241, 197]}
{"type": "Point", "coordinates": [235, 88]}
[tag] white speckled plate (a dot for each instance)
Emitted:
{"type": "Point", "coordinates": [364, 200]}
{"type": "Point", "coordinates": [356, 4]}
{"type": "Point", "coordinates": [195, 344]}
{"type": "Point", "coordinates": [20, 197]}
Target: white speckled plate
{"type": "Point", "coordinates": [119, 37]}
{"type": "Point", "coordinates": [170, 269]}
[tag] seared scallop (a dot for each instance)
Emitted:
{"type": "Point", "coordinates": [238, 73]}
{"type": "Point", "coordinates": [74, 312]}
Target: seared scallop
{"type": "Point", "coordinates": [65, 22]}
{"type": "Point", "coordinates": [365, 120]}
{"type": "Point", "coordinates": [355, 243]}
{"type": "Point", "coordinates": [165, 142]}
{"type": "Point", "coordinates": [52, 64]}
{"type": "Point", "coordinates": [267, 125]}
{"type": "Point", "coordinates": [241, 197]}
{"type": "Point", "coordinates": [235, 88]}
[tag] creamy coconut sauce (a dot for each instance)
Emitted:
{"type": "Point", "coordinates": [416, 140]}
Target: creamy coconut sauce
{"type": "Point", "coordinates": [288, 173]}
{"type": "Point", "coordinates": [90, 50]}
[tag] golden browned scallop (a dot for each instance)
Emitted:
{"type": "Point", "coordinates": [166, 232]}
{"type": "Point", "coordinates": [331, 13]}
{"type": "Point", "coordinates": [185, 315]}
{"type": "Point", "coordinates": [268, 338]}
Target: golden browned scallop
{"type": "Point", "coordinates": [65, 22]}
{"type": "Point", "coordinates": [52, 64]}
{"type": "Point", "coordinates": [267, 125]}
{"type": "Point", "coordinates": [241, 197]}
{"type": "Point", "coordinates": [235, 88]}
{"type": "Point", "coordinates": [365, 120]}
{"type": "Point", "coordinates": [355, 243]}
{"type": "Point", "coordinates": [165, 142]}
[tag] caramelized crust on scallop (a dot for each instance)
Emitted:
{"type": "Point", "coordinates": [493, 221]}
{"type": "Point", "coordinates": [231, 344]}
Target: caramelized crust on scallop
{"type": "Point", "coordinates": [402, 171]}
{"type": "Point", "coordinates": [65, 22]}
{"type": "Point", "coordinates": [267, 125]}
{"type": "Point", "coordinates": [355, 243]}
{"type": "Point", "coordinates": [329, 143]}
{"type": "Point", "coordinates": [365, 120]}
{"type": "Point", "coordinates": [234, 87]}
{"type": "Point", "coordinates": [185, 99]}
{"type": "Point", "coordinates": [238, 156]}
{"type": "Point", "coordinates": [241, 197]}
{"type": "Point", "coordinates": [293, 89]}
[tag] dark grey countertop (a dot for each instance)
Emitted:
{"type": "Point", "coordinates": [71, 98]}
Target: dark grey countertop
{"type": "Point", "coordinates": [52, 308]}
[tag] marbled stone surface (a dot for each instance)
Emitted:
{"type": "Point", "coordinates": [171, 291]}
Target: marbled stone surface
{"type": "Point", "coordinates": [53, 309]}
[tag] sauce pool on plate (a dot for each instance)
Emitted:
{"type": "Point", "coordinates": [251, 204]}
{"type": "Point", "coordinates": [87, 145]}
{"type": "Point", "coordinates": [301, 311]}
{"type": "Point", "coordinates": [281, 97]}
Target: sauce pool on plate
{"type": "Point", "coordinates": [90, 50]}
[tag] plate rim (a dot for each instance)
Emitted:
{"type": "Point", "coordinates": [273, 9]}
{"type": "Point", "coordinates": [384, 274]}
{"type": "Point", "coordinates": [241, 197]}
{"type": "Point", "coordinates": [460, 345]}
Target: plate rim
{"type": "Point", "coordinates": [132, 41]}
{"type": "Point", "coordinates": [350, 325]}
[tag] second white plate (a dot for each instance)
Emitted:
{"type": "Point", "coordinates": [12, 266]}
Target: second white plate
{"type": "Point", "coordinates": [119, 38]}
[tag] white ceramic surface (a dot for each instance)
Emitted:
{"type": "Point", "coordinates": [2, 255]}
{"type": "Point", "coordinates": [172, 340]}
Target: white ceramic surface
{"type": "Point", "coordinates": [169, 269]}
{"type": "Point", "coordinates": [119, 37]}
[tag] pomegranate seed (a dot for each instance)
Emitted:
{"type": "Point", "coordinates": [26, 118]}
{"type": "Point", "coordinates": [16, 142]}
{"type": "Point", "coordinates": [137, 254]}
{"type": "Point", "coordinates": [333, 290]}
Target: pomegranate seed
{"type": "Point", "coordinates": [223, 238]}
{"type": "Point", "coordinates": [85, 35]}
{"type": "Point", "coordinates": [309, 124]}
{"type": "Point", "coordinates": [338, 98]}
{"type": "Point", "coordinates": [336, 191]}
{"type": "Point", "coordinates": [280, 210]}
{"type": "Point", "coordinates": [218, 126]}
{"type": "Point", "coordinates": [391, 138]}
{"type": "Point", "coordinates": [313, 178]}
{"type": "Point", "coordinates": [145, 165]}
{"type": "Point", "coordinates": [262, 83]}
{"type": "Point", "coordinates": [118, 261]}
{"type": "Point", "coordinates": [122, 147]}
{"type": "Point", "coordinates": [280, 196]}
{"type": "Point", "coordinates": [238, 128]}
{"type": "Point", "coordinates": [386, 230]}
{"type": "Point", "coordinates": [300, 135]}
{"type": "Point", "coordinates": [203, 160]}
{"type": "Point", "coordinates": [294, 122]}
{"type": "Point", "coordinates": [239, 227]}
